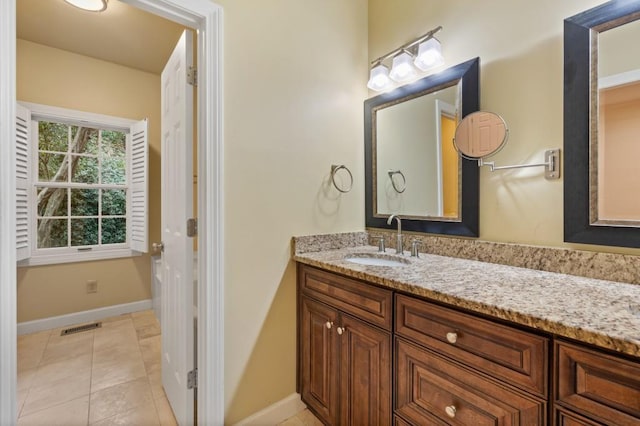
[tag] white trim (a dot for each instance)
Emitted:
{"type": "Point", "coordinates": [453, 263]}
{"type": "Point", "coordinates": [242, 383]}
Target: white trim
{"type": "Point", "coordinates": [206, 16]}
{"type": "Point", "coordinates": [275, 413]}
{"type": "Point", "coordinates": [87, 256]}
{"type": "Point", "coordinates": [82, 317]}
{"type": "Point", "coordinates": [619, 79]}
{"type": "Point", "coordinates": [442, 108]}
{"type": "Point", "coordinates": [8, 344]}
{"type": "Point", "coordinates": [72, 116]}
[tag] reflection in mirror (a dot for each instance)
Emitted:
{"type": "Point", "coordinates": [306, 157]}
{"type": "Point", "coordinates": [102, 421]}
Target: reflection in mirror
{"type": "Point", "coordinates": [601, 109]}
{"type": "Point", "coordinates": [617, 149]}
{"type": "Point", "coordinates": [411, 167]}
{"type": "Point", "coordinates": [480, 135]}
{"type": "Point", "coordinates": [416, 165]}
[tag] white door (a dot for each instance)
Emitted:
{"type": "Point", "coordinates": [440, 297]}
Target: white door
{"type": "Point", "coordinates": [177, 206]}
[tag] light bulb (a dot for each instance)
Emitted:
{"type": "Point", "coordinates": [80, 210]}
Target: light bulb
{"type": "Point", "coordinates": [429, 55]}
{"type": "Point", "coordinates": [90, 5]}
{"type": "Point", "coordinates": [379, 78]}
{"type": "Point", "coordinates": [402, 69]}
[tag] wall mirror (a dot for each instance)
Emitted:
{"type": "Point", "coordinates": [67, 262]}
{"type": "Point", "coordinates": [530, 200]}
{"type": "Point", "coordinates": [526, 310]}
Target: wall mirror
{"type": "Point", "coordinates": [411, 166]}
{"type": "Point", "coordinates": [601, 125]}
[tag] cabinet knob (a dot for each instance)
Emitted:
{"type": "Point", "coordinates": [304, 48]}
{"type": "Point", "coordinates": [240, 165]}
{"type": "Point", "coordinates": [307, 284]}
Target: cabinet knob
{"type": "Point", "coordinates": [452, 337]}
{"type": "Point", "coordinates": [329, 324]}
{"type": "Point", "coordinates": [450, 410]}
{"type": "Point", "coordinates": [341, 330]}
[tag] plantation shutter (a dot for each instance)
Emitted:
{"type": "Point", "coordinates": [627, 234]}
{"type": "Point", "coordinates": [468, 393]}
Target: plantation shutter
{"type": "Point", "coordinates": [23, 181]}
{"type": "Point", "coordinates": [138, 172]}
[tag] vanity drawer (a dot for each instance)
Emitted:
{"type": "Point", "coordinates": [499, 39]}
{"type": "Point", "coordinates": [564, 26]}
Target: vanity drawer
{"type": "Point", "coordinates": [364, 301]}
{"type": "Point", "coordinates": [511, 355]}
{"type": "Point", "coordinates": [431, 390]}
{"type": "Point", "coordinates": [600, 386]}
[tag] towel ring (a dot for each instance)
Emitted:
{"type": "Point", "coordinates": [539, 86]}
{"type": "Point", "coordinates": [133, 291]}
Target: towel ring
{"type": "Point", "coordinates": [334, 170]}
{"type": "Point", "coordinates": [393, 182]}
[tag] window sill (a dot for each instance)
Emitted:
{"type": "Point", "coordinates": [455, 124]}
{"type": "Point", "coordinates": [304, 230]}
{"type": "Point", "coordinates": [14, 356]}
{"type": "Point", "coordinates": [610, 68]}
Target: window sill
{"type": "Point", "coordinates": [54, 259]}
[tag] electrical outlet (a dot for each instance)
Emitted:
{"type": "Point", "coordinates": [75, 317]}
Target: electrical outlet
{"type": "Point", "coordinates": [92, 286]}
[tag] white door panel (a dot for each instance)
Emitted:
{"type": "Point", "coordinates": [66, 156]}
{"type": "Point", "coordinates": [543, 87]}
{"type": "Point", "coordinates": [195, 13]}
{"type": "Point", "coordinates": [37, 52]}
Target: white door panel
{"type": "Point", "coordinates": [177, 206]}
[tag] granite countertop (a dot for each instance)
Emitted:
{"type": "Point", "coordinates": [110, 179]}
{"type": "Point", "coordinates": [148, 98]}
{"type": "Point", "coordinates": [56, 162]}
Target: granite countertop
{"type": "Point", "coordinates": [599, 312]}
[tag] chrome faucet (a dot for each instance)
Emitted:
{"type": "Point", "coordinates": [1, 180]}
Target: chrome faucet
{"type": "Point", "coordinates": [399, 243]}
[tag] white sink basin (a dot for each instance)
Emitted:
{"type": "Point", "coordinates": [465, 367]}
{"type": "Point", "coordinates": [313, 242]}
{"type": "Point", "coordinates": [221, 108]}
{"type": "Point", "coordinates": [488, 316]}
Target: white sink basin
{"type": "Point", "coordinates": [373, 259]}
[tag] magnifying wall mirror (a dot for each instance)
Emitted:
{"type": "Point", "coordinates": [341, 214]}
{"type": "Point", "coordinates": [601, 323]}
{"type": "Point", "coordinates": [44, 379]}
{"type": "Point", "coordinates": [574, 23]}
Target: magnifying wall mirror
{"type": "Point", "coordinates": [480, 135]}
{"type": "Point", "coordinates": [601, 125]}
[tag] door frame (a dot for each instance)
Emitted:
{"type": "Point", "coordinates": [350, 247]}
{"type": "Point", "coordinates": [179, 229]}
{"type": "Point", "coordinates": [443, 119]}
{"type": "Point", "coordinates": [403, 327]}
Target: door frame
{"type": "Point", "coordinates": [206, 17]}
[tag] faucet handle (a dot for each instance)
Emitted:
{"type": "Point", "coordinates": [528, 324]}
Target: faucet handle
{"type": "Point", "coordinates": [415, 245]}
{"type": "Point", "coordinates": [381, 246]}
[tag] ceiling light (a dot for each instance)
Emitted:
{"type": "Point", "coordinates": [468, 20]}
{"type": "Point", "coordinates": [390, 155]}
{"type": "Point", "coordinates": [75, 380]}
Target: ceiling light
{"type": "Point", "coordinates": [429, 55]}
{"type": "Point", "coordinates": [90, 5]}
{"type": "Point", "coordinates": [379, 78]}
{"type": "Point", "coordinates": [402, 69]}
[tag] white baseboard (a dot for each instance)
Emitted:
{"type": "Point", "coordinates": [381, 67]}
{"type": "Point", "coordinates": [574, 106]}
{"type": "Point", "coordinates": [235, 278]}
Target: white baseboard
{"type": "Point", "coordinates": [275, 413]}
{"type": "Point", "coordinates": [81, 317]}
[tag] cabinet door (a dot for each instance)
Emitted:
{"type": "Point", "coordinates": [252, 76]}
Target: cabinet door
{"type": "Point", "coordinates": [319, 359]}
{"type": "Point", "coordinates": [432, 391]}
{"type": "Point", "coordinates": [603, 387]}
{"type": "Point", "coordinates": [365, 379]}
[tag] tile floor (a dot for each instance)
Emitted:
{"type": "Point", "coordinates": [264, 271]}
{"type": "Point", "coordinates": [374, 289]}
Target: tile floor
{"type": "Point", "coordinates": [303, 418]}
{"type": "Point", "coordinates": [107, 376]}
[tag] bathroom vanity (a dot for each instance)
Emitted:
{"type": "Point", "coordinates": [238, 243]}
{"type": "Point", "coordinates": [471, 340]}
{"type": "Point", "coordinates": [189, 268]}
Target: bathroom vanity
{"type": "Point", "coordinates": [453, 341]}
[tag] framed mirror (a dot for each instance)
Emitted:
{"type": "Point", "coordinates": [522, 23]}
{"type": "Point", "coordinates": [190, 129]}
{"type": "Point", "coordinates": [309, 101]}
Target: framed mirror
{"type": "Point", "coordinates": [601, 125]}
{"type": "Point", "coordinates": [411, 166]}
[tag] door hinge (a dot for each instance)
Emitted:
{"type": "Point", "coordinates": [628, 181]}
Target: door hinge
{"type": "Point", "coordinates": [192, 379]}
{"type": "Point", "coordinates": [192, 227]}
{"type": "Point", "coordinates": [192, 76]}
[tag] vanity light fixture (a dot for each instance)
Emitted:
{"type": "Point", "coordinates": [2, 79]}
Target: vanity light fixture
{"type": "Point", "coordinates": [429, 54]}
{"type": "Point", "coordinates": [379, 77]}
{"type": "Point", "coordinates": [423, 53]}
{"type": "Point", "coordinates": [89, 5]}
{"type": "Point", "coordinates": [402, 69]}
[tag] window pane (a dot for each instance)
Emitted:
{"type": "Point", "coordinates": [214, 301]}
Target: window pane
{"type": "Point", "coordinates": [114, 202]}
{"type": "Point", "coordinates": [85, 169]}
{"type": "Point", "coordinates": [114, 230]}
{"type": "Point", "coordinates": [52, 233]}
{"type": "Point", "coordinates": [84, 202]}
{"type": "Point", "coordinates": [52, 202]}
{"type": "Point", "coordinates": [52, 136]}
{"type": "Point", "coordinates": [113, 152]}
{"type": "Point", "coordinates": [84, 232]}
{"type": "Point", "coordinates": [52, 167]}
{"type": "Point", "coordinates": [84, 140]}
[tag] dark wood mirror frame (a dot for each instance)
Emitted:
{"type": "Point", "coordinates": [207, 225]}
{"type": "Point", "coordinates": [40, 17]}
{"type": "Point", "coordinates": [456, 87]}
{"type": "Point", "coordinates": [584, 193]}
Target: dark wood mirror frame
{"type": "Point", "coordinates": [468, 73]}
{"type": "Point", "coordinates": [580, 41]}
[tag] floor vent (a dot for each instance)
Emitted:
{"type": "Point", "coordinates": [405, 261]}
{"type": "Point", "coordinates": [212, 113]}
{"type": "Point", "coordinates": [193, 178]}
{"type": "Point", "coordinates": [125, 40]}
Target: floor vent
{"type": "Point", "coordinates": [81, 328]}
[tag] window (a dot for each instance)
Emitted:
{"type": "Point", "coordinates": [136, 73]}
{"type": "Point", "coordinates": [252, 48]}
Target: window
{"type": "Point", "coordinates": [81, 185]}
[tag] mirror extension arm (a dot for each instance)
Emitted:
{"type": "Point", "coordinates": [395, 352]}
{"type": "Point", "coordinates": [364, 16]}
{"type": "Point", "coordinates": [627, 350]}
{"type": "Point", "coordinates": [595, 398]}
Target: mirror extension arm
{"type": "Point", "coordinates": [551, 164]}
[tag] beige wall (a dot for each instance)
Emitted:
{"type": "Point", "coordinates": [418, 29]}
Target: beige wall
{"type": "Point", "coordinates": [295, 80]}
{"type": "Point", "coordinates": [56, 77]}
{"type": "Point", "coordinates": [521, 51]}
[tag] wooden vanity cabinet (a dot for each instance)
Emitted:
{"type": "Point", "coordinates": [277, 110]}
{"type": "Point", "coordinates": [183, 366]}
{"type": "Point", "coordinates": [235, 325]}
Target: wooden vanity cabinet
{"type": "Point", "coordinates": [344, 361]}
{"type": "Point", "coordinates": [599, 387]}
{"type": "Point", "coordinates": [455, 368]}
{"type": "Point", "coordinates": [365, 358]}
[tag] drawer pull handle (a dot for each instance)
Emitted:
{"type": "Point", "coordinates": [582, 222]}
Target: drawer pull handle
{"type": "Point", "coordinates": [452, 337]}
{"type": "Point", "coordinates": [341, 330]}
{"type": "Point", "coordinates": [450, 410]}
{"type": "Point", "coordinates": [329, 324]}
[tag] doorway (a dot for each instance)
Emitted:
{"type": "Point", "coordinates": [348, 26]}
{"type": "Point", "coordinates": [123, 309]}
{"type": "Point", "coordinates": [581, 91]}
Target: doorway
{"type": "Point", "coordinates": [206, 17]}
